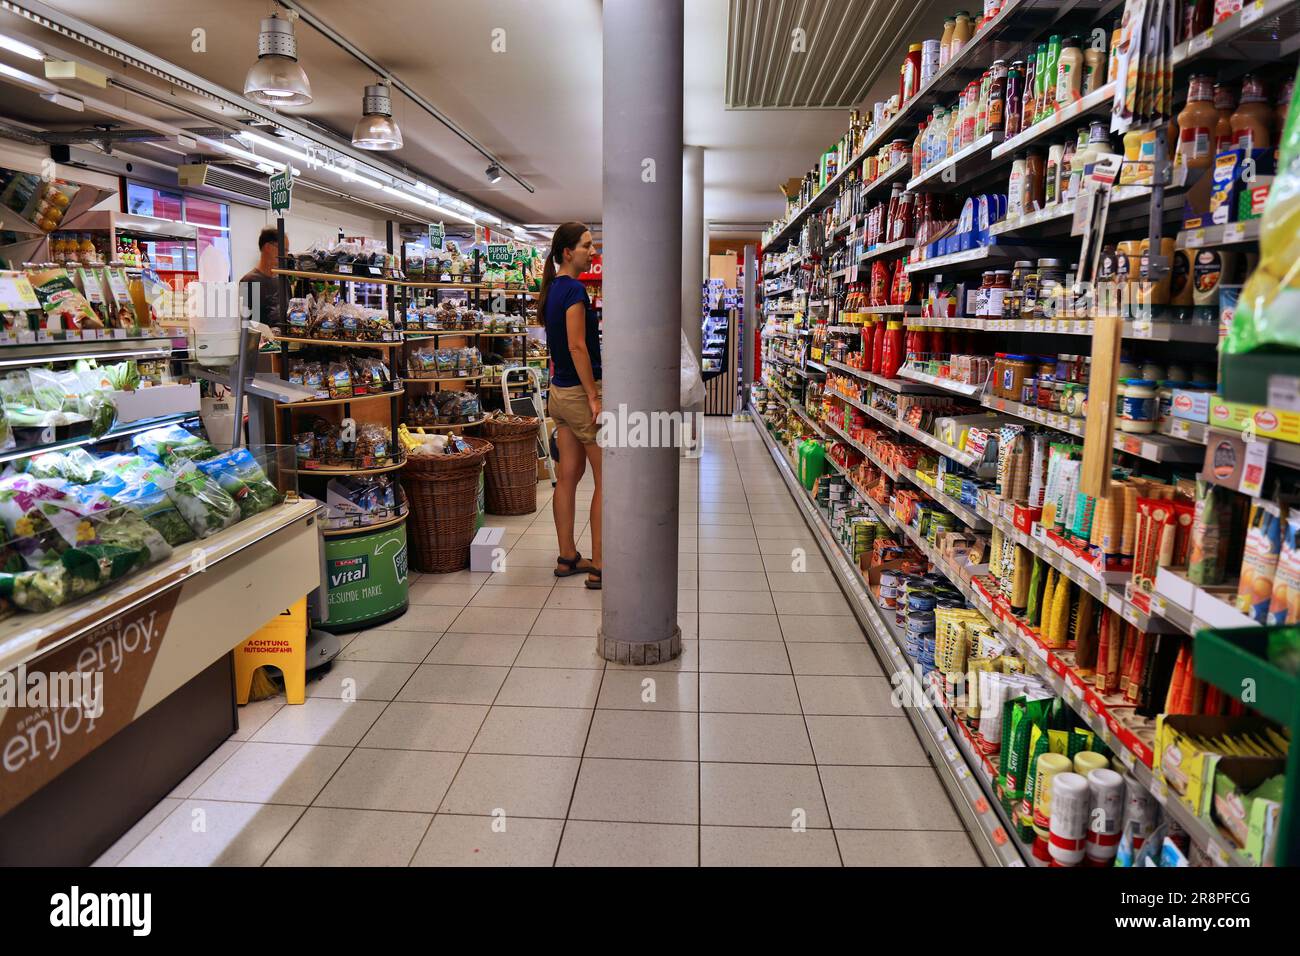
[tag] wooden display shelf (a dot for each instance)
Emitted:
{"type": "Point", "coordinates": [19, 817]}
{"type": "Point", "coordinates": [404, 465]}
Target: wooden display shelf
{"type": "Point", "coordinates": [336, 277]}
{"type": "Point", "coordinates": [473, 424]}
{"type": "Point", "coordinates": [341, 343]}
{"type": "Point", "coordinates": [365, 528]}
{"type": "Point", "coordinates": [444, 378]}
{"type": "Point", "coordinates": [342, 470]}
{"type": "Point", "coordinates": [316, 402]}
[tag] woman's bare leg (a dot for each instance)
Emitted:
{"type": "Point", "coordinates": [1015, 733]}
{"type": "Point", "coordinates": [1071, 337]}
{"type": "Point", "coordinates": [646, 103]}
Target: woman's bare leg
{"type": "Point", "coordinates": [573, 464]}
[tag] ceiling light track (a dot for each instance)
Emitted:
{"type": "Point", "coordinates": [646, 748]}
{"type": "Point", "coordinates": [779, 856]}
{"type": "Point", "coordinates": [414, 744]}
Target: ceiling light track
{"type": "Point", "coordinates": [414, 96]}
{"type": "Point", "coordinates": [129, 54]}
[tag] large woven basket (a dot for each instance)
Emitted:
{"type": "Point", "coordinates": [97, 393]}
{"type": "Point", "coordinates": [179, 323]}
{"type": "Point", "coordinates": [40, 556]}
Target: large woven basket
{"type": "Point", "coordinates": [511, 481]}
{"type": "Point", "coordinates": [443, 495]}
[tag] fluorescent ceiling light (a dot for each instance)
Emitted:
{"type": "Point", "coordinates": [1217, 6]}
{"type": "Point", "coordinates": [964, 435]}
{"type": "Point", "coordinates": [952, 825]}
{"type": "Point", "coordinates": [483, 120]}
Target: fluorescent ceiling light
{"type": "Point", "coordinates": [67, 102]}
{"type": "Point", "coordinates": [21, 48]}
{"type": "Point", "coordinates": [270, 142]}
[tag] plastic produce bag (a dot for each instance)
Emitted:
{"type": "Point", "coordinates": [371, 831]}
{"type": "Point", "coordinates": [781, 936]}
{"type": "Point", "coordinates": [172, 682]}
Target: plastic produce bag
{"type": "Point", "coordinates": [172, 444]}
{"type": "Point", "coordinates": [76, 465]}
{"type": "Point", "coordinates": [692, 380]}
{"type": "Point", "coordinates": [241, 477]}
{"type": "Point", "coordinates": [1268, 309]}
{"type": "Point", "coordinates": [149, 499]}
{"type": "Point", "coordinates": [204, 505]}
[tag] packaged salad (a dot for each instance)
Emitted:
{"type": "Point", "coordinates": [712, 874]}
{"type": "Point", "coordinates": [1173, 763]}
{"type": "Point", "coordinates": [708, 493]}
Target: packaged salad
{"type": "Point", "coordinates": [147, 496]}
{"type": "Point", "coordinates": [171, 444]}
{"type": "Point", "coordinates": [76, 465]}
{"type": "Point", "coordinates": [44, 518]}
{"type": "Point", "coordinates": [241, 477]}
{"type": "Point", "coordinates": [202, 502]}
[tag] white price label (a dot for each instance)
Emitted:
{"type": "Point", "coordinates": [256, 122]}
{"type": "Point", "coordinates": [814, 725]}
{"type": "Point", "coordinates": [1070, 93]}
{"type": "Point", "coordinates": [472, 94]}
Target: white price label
{"type": "Point", "coordinates": [962, 772]}
{"type": "Point", "coordinates": [1234, 231]}
{"type": "Point", "coordinates": [1041, 652]}
{"type": "Point", "coordinates": [1131, 615]}
{"type": "Point", "coordinates": [1201, 41]}
{"type": "Point", "coordinates": [1180, 428]}
{"type": "Point", "coordinates": [943, 733]}
{"type": "Point", "coordinates": [1195, 239]}
{"type": "Point", "coordinates": [1252, 12]}
{"type": "Point", "coordinates": [43, 336]}
{"type": "Point", "coordinates": [1252, 473]}
{"type": "Point", "coordinates": [27, 338]}
{"type": "Point", "coordinates": [1160, 789]}
{"type": "Point", "coordinates": [1126, 757]}
{"type": "Point", "coordinates": [7, 339]}
{"type": "Point", "coordinates": [950, 753]}
{"type": "Point", "coordinates": [1072, 691]}
{"type": "Point", "coordinates": [1142, 328]}
{"type": "Point", "coordinates": [119, 333]}
{"type": "Point", "coordinates": [1081, 327]}
{"type": "Point", "coordinates": [1216, 851]}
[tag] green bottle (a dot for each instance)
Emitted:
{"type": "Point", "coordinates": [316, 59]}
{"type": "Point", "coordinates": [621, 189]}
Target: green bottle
{"type": "Point", "coordinates": [1047, 105]}
{"type": "Point", "coordinates": [1040, 80]}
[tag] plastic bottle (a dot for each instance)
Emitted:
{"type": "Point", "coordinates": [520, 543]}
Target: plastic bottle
{"type": "Point", "coordinates": [961, 33]}
{"type": "Point", "coordinates": [1016, 188]}
{"type": "Point", "coordinates": [945, 42]}
{"type": "Point", "coordinates": [1196, 124]}
{"type": "Point", "coordinates": [1029, 96]}
{"type": "Point", "coordinates": [1225, 101]}
{"type": "Point", "coordinates": [892, 349]}
{"type": "Point", "coordinates": [1252, 122]}
{"type": "Point", "coordinates": [1015, 97]}
{"type": "Point", "coordinates": [1069, 72]}
{"type": "Point", "coordinates": [1048, 104]}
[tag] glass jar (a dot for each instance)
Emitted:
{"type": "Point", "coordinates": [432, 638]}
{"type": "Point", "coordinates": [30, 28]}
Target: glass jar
{"type": "Point", "coordinates": [1029, 392]}
{"type": "Point", "coordinates": [997, 116]}
{"type": "Point", "coordinates": [1051, 287]}
{"type": "Point", "coordinates": [1014, 97]}
{"type": "Point", "coordinates": [1138, 404]}
{"type": "Point", "coordinates": [1029, 296]}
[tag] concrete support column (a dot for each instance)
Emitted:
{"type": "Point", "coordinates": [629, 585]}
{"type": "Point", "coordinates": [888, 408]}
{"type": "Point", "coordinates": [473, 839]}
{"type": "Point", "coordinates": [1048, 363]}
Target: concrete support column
{"type": "Point", "coordinates": [642, 224]}
{"type": "Point", "coordinates": [694, 242]}
{"type": "Point", "coordinates": [750, 323]}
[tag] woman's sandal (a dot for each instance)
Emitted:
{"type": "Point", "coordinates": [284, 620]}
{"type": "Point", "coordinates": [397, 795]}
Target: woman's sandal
{"type": "Point", "coordinates": [590, 584]}
{"type": "Point", "coordinates": [571, 564]}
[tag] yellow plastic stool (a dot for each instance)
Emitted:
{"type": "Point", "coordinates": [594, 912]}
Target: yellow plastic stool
{"type": "Point", "coordinates": [281, 642]}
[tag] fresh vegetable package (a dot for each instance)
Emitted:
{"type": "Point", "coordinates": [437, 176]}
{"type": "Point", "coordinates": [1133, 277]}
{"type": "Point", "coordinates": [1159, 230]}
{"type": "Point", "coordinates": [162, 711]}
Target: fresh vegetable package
{"type": "Point", "coordinates": [240, 476]}
{"type": "Point", "coordinates": [202, 502]}
{"type": "Point", "coordinates": [172, 444]}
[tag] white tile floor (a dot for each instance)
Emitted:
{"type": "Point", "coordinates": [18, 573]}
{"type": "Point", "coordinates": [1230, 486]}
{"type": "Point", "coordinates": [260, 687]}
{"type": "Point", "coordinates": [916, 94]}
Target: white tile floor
{"type": "Point", "coordinates": [488, 732]}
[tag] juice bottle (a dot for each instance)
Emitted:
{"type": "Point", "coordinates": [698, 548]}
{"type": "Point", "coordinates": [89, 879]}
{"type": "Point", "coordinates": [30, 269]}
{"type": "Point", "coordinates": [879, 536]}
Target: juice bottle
{"type": "Point", "coordinates": [945, 42]}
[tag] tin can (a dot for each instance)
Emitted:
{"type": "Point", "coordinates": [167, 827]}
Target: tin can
{"type": "Point", "coordinates": [929, 61]}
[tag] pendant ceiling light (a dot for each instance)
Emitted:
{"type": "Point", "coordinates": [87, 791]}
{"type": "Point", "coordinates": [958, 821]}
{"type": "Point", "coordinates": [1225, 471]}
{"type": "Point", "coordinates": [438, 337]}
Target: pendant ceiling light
{"type": "Point", "coordinates": [376, 129]}
{"type": "Point", "coordinates": [277, 79]}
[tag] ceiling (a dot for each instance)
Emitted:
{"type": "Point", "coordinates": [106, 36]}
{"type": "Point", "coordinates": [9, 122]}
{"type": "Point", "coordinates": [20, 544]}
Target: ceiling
{"type": "Point", "coordinates": [536, 105]}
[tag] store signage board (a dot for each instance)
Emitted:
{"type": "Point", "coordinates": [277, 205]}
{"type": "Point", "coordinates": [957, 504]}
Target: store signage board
{"type": "Point", "coordinates": [281, 186]}
{"type": "Point", "coordinates": [437, 236]}
{"type": "Point", "coordinates": [500, 254]}
{"type": "Point", "coordinates": [366, 574]}
{"type": "Point", "coordinates": [38, 742]}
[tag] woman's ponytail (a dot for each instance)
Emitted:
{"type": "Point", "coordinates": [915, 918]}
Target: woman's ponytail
{"type": "Point", "coordinates": [567, 236]}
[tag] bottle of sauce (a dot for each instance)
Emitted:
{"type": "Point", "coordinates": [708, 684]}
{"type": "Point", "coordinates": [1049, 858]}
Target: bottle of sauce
{"type": "Point", "coordinates": [982, 107]}
{"type": "Point", "coordinates": [1196, 124]}
{"type": "Point", "coordinates": [1283, 103]}
{"type": "Point", "coordinates": [892, 349]}
{"type": "Point", "coordinates": [1040, 84]}
{"type": "Point", "coordinates": [945, 42]}
{"type": "Point", "coordinates": [997, 114]}
{"type": "Point", "coordinates": [1016, 188]}
{"type": "Point", "coordinates": [1035, 179]}
{"type": "Point", "coordinates": [918, 146]}
{"type": "Point", "coordinates": [1048, 105]}
{"type": "Point", "coordinates": [1028, 94]}
{"type": "Point", "coordinates": [1252, 122]}
{"type": "Point", "coordinates": [1014, 98]}
{"type": "Point", "coordinates": [1094, 69]}
{"type": "Point", "coordinates": [909, 80]}
{"type": "Point", "coordinates": [1069, 72]}
{"type": "Point", "coordinates": [961, 33]}
{"type": "Point", "coordinates": [1052, 175]}
{"type": "Point", "coordinates": [1067, 189]}
{"type": "Point", "coordinates": [1225, 101]}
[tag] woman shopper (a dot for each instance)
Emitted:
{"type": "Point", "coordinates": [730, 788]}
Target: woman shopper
{"type": "Point", "coordinates": [573, 337]}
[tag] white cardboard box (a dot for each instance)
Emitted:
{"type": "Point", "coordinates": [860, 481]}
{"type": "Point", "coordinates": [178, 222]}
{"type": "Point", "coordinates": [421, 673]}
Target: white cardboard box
{"type": "Point", "coordinates": [487, 551]}
{"type": "Point", "coordinates": [156, 401]}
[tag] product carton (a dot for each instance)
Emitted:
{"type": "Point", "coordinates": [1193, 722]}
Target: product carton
{"type": "Point", "coordinates": [485, 549]}
{"type": "Point", "coordinates": [1191, 405]}
{"type": "Point", "coordinates": [1268, 422]}
{"type": "Point", "coordinates": [1187, 769]}
{"type": "Point", "coordinates": [1250, 822]}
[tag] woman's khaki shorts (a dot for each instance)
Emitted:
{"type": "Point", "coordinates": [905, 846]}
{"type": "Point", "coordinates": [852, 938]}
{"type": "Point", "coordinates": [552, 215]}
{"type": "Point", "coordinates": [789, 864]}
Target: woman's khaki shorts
{"type": "Point", "coordinates": [570, 409]}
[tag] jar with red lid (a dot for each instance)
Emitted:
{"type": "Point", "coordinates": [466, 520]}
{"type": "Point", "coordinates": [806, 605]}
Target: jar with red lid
{"type": "Point", "coordinates": [899, 152]}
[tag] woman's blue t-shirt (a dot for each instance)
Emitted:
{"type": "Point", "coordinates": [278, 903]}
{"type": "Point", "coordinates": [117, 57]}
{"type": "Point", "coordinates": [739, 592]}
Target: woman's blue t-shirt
{"type": "Point", "coordinates": [564, 292]}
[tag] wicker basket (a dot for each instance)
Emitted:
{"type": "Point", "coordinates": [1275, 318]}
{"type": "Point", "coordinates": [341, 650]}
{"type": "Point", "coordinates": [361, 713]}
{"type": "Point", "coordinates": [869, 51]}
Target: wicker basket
{"type": "Point", "coordinates": [511, 465]}
{"type": "Point", "coordinates": [443, 495]}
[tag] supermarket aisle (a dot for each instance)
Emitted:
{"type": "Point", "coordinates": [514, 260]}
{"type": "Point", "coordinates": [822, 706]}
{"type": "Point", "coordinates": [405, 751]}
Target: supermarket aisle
{"type": "Point", "coordinates": [487, 731]}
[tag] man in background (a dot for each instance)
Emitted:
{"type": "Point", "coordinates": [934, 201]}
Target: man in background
{"type": "Point", "coordinates": [259, 289]}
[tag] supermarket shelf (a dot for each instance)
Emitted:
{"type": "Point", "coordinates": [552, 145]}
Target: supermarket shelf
{"type": "Point", "coordinates": [776, 334]}
{"type": "Point", "coordinates": [892, 384]}
{"type": "Point", "coordinates": [886, 419]}
{"type": "Point", "coordinates": [820, 200]}
{"type": "Point", "coordinates": [342, 470]}
{"type": "Point", "coordinates": [1228, 234]}
{"type": "Point", "coordinates": [892, 310]}
{"type": "Point", "coordinates": [886, 249]}
{"type": "Point", "coordinates": [843, 273]}
{"type": "Point", "coordinates": [316, 402]}
{"type": "Point", "coordinates": [21, 349]}
{"type": "Point", "coordinates": [958, 167]}
{"type": "Point", "coordinates": [14, 454]}
{"type": "Point", "coordinates": [410, 379]}
{"type": "Point", "coordinates": [846, 438]}
{"type": "Point", "coordinates": [889, 176]}
{"type": "Point", "coordinates": [500, 335]}
{"type": "Point", "coordinates": [848, 399]}
{"type": "Point", "coordinates": [1160, 448]}
{"type": "Point", "coordinates": [815, 366]}
{"type": "Point", "coordinates": [437, 428]}
{"type": "Point", "coordinates": [1154, 330]}
{"type": "Point", "coordinates": [435, 333]}
{"type": "Point", "coordinates": [1098, 101]}
{"type": "Point", "coordinates": [1258, 32]}
{"type": "Point", "coordinates": [1048, 214]}
{"type": "Point", "coordinates": [341, 343]}
{"type": "Point", "coordinates": [377, 526]}
{"type": "Point", "coordinates": [963, 458]}
{"type": "Point", "coordinates": [972, 258]}
{"type": "Point", "coordinates": [338, 277]}
{"type": "Point", "coordinates": [970, 790]}
{"type": "Point", "coordinates": [1031, 413]}
{"type": "Point", "coordinates": [846, 329]}
{"type": "Point", "coordinates": [947, 384]}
